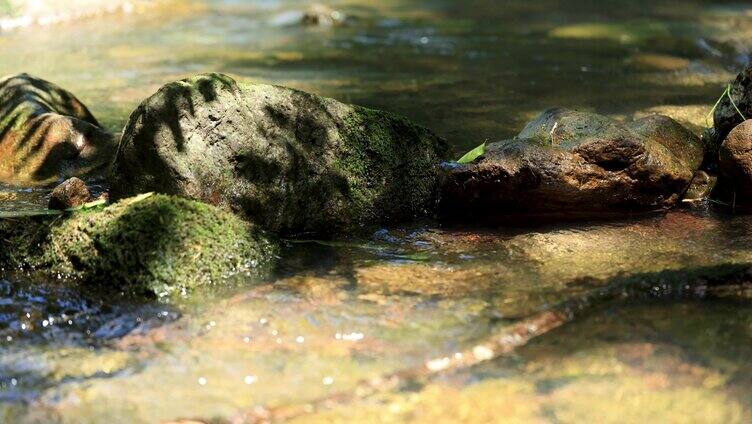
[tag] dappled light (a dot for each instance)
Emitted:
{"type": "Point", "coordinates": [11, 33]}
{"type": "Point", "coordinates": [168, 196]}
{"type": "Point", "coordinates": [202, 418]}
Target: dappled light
{"type": "Point", "coordinates": [46, 133]}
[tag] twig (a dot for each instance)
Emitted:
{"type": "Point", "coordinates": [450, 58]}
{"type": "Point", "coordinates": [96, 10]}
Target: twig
{"type": "Point", "coordinates": [553, 133]}
{"type": "Point", "coordinates": [727, 93]}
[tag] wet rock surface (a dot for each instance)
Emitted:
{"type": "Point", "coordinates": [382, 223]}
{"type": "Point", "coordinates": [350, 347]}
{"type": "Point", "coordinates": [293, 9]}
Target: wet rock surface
{"type": "Point", "coordinates": [735, 166]}
{"type": "Point", "coordinates": [291, 161]}
{"type": "Point", "coordinates": [144, 246]}
{"type": "Point", "coordinates": [47, 133]}
{"type": "Point", "coordinates": [701, 187]}
{"type": "Point", "coordinates": [70, 194]}
{"type": "Point", "coordinates": [727, 114]}
{"type": "Point", "coordinates": [575, 164]}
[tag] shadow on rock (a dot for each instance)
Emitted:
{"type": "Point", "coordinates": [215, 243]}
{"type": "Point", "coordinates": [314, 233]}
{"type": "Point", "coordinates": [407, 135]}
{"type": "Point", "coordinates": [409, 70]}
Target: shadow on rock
{"type": "Point", "coordinates": [290, 161]}
{"type": "Point", "coordinates": [47, 134]}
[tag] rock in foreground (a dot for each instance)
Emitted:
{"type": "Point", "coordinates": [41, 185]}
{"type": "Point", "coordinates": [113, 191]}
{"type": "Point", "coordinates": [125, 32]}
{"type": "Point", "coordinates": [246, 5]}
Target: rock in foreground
{"type": "Point", "coordinates": [47, 133]}
{"type": "Point", "coordinates": [288, 160]}
{"type": "Point", "coordinates": [152, 245]}
{"type": "Point", "coordinates": [575, 164]}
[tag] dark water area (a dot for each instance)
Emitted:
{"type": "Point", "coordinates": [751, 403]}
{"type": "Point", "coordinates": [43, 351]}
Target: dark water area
{"type": "Point", "coordinates": [336, 313]}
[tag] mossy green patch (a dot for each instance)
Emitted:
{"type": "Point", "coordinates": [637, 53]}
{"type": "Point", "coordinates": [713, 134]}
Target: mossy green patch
{"type": "Point", "coordinates": [390, 164]}
{"type": "Point", "coordinates": [154, 246]}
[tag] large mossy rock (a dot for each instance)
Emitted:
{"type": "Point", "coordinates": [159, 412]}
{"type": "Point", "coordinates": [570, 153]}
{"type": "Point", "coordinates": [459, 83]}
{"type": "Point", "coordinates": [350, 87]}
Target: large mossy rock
{"type": "Point", "coordinates": [291, 161]}
{"type": "Point", "coordinates": [46, 133]}
{"type": "Point", "coordinates": [146, 245]}
{"type": "Point", "coordinates": [726, 115]}
{"type": "Point", "coordinates": [575, 164]}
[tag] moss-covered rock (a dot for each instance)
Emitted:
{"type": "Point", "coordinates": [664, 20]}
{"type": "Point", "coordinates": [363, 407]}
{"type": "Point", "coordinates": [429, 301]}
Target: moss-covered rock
{"type": "Point", "coordinates": [146, 245]}
{"type": "Point", "coordinates": [291, 161]}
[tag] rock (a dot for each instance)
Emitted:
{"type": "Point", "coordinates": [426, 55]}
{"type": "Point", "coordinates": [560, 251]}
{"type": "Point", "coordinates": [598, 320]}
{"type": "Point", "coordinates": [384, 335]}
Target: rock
{"type": "Point", "coordinates": [700, 188]}
{"type": "Point", "coordinates": [290, 161]}
{"type": "Point", "coordinates": [322, 15]}
{"type": "Point", "coordinates": [70, 194]}
{"type": "Point", "coordinates": [726, 117]}
{"type": "Point", "coordinates": [575, 164]}
{"type": "Point", "coordinates": [693, 117]}
{"type": "Point", "coordinates": [735, 166]}
{"type": "Point", "coordinates": [147, 245]}
{"type": "Point", "coordinates": [46, 133]}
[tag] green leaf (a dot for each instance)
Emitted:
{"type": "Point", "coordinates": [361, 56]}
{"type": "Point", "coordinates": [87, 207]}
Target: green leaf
{"type": "Point", "coordinates": [473, 154]}
{"type": "Point", "coordinates": [87, 206]}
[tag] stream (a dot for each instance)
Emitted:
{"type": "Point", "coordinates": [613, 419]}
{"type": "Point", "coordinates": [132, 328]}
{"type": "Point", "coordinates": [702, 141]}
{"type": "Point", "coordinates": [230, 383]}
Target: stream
{"type": "Point", "coordinates": [338, 313]}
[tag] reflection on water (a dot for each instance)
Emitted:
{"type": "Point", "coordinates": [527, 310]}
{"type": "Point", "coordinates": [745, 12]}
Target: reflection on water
{"type": "Point", "coordinates": [337, 313]}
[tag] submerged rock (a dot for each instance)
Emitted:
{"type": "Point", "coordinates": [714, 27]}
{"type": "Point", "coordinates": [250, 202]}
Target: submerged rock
{"type": "Point", "coordinates": [47, 133]}
{"type": "Point", "coordinates": [147, 245]}
{"type": "Point", "coordinates": [576, 164]}
{"type": "Point", "coordinates": [735, 166]}
{"type": "Point", "coordinates": [701, 187]}
{"type": "Point", "coordinates": [70, 194]}
{"type": "Point", "coordinates": [291, 161]}
{"type": "Point", "coordinates": [726, 115]}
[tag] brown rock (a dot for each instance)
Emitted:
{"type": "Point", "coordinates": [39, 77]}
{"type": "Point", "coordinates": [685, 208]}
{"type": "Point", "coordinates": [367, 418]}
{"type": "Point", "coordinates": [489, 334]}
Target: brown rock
{"type": "Point", "coordinates": [46, 133]}
{"type": "Point", "coordinates": [569, 164]}
{"type": "Point", "coordinates": [70, 194]}
{"type": "Point", "coordinates": [735, 165]}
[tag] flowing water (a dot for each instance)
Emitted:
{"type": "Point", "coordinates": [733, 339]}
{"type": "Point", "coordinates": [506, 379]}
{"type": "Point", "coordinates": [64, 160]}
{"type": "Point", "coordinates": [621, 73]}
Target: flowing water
{"type": "Point", "coordinates": [337, 313]}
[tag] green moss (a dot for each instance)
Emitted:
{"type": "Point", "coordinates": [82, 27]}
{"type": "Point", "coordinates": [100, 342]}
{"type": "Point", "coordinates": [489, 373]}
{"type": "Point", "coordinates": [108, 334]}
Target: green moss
{"type": "Point", "coordinates": [390, 163]}
{"type": "Point", "coordinates": [157, 245]}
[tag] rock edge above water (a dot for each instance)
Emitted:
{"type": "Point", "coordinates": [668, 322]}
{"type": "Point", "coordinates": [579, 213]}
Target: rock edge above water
{"type": "Point", "coordinates": [147, 245]}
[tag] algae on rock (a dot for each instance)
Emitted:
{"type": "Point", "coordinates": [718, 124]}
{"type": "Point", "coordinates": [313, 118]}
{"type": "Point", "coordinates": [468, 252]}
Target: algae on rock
{"type": "Point", "coordinates": [147, 245]}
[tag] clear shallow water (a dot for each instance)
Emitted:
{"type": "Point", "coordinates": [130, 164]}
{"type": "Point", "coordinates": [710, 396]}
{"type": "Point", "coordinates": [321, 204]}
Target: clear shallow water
{"type": "Point", "coordinates": [338, 313]}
